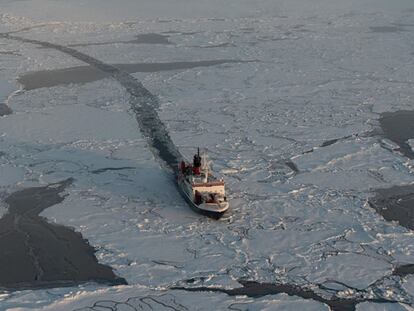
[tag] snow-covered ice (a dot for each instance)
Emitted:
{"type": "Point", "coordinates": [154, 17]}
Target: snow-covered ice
{"type": "Point", "coordinates": [411, 143]}
{"type": "Point", "coordinates": [3, 209]}
{"type": "Point", "coordinates": [144, 299]}
{"type": "Point", "coordinates": [293, 129]}
{"type": "Point", "coordinates": [5, 89]}
{"type": "Point", "coordinates": [371, 306]}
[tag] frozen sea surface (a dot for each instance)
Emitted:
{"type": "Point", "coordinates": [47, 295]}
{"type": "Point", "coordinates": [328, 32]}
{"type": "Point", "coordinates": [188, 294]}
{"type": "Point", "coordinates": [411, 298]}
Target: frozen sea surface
{"type": "Point", "coordinates": [295, 132]}
{"type": "Point", "coordinates": [6, 90]}
{"type": "Point", "coordinates": [38, 254]}
{"type": "Point", "coordinates": [127, 10]}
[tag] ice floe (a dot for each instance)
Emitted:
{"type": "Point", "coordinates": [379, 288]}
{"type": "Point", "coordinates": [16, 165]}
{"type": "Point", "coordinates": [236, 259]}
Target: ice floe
{"type": "Point", "coordinates": [293, 130]}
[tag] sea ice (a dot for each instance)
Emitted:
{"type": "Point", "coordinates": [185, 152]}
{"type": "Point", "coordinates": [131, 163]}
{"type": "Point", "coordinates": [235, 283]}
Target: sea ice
{"type": "Point", "coordinates": [125, 297]}
{"type": "Point", "coordinates": [5, 89]}
{"type": "Point", "coordinates": [371, 306]}
{"type": "Point", "coordinates": [292, 129]}
{"type": "Point", "coordinates": [3, 209]}
{"type": "Point", "coordinates": [411, 143]}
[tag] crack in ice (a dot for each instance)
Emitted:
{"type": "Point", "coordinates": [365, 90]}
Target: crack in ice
{"type": "Point", "coordinates": [142, 101]}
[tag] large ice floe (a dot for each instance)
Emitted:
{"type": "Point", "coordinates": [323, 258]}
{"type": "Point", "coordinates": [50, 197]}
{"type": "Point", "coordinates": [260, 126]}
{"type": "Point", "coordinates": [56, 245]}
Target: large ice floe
{"type": "Point", "coordinates": [286, 98]}
{"type": "Point", "coordinates": [5, 90]}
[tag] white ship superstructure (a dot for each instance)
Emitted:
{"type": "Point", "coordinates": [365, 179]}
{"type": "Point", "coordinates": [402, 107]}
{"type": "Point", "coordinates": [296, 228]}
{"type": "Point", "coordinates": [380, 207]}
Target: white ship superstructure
{"type": "Point", "coordinates": [204, 192]}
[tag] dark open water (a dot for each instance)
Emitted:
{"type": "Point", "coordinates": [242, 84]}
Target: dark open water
{"type": "Point", "coordinates": [397, 203]}
{"type": "Point", "coordinates": [36, 253]}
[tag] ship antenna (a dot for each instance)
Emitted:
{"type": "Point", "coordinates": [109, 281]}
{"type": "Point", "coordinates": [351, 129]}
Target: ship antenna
{"type": "Point", "coordinates": [198, 151]}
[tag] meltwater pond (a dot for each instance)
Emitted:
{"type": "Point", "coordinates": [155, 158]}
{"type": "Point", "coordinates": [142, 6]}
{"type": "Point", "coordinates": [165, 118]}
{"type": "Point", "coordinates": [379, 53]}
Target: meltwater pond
{"type": "Point", "coordinates": [36, 253]}
{"type": "Point", "coordinates": [85, 74]}
{"type": "Point", "coordinates": [4, 110]}
{"type": "Point", "coordinates": [396, 203]}
{"type": "Point", "coordinates": [146, 38]}
{"type": "Point", "coordinates": [256, 289]}
{"type": "Point", "coordinates": [399, 127]}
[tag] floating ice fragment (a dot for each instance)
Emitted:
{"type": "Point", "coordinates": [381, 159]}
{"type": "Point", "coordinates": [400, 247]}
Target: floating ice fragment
{"type": "Point", "coordinates": [229, 171]}
{"type": "Point", "coordinates": [411, 143]}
